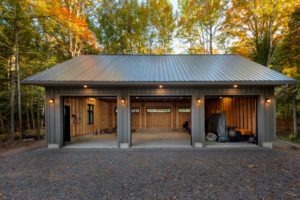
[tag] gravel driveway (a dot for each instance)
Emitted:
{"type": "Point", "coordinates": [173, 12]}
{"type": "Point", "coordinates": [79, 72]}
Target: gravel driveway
{"type": "Point", "coordinates": [151, 174]}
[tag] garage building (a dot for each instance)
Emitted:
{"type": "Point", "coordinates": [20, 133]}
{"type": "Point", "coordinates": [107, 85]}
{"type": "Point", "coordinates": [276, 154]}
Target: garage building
{"type": "Point", "coordinates": [159, 100]}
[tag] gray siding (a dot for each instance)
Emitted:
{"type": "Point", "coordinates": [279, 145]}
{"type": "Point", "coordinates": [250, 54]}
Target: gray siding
{"type": "Point", "coordinates": [54, 121]}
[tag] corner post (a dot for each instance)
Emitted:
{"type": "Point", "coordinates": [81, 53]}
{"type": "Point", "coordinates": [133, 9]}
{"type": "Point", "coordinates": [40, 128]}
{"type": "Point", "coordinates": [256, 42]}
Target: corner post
{"type": "Point", "coordinates": [198, 130]}
{"type": "Point", "coordinates": [123, 104]}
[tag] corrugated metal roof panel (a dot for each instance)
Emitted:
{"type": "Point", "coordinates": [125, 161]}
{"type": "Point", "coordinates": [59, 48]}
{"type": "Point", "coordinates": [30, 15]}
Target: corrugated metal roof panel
{"type": "Point", "coordinates": [128, 69]}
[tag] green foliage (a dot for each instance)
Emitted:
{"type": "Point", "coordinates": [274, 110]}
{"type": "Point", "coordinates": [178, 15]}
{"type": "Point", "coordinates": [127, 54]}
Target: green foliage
{"type": "Point", "coordinates": [134, 27]}
{"type": "Point", "coordinates": [199, 24]}
{"type": "Point", "coordinates": [257, 27]}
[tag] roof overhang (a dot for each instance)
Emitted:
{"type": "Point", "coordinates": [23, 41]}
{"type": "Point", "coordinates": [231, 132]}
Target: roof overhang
{"type": "Point", "coordinates": [155, 83]}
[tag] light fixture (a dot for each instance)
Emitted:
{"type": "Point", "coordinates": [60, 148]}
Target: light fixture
{"type": "Point", "coordinates": [51, 100]}
{"type": "Point", "coordinates": [136, 97]}
{"type": "Point", "coordinates": [122, 101]}
{"type": "Point", "coordinates": [235, 86]}
{"type": "Point", "coordinates": [160, 86]}
{"type": "Point", "coordinates": [268, 100]}
{"type": "Point", "coordinates": [221, 97]}
{"type": "Point", "coordinates": [198, 100]}
{"type": "Point", "coordinates": [92, 99]}
{"type": "Point", "coordinates": [85, 86]}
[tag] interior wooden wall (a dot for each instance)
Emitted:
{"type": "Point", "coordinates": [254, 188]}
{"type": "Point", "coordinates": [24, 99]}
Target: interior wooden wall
{"type": "Point", "coordinates": [173, 119]}
{"type": "Point", "coordinates": [240, 111]}
{"type": "Point", "coordinates": [104, 115]}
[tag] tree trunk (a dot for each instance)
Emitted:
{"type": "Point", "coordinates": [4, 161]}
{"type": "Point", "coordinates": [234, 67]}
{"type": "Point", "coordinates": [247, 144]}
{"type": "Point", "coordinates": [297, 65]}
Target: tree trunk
{"type": "Point", "coordinates": [38, 116]}
{"type": "Point", "coordinates": [210, 40]}
{"type": "Point", "coordinates": [270, 42]}
{"type": "Point", "coordinates": [18, 85]}
{"type": "Point", "coordinates": [295, 117]}
{"type": "Point", "coordinates": [32, 117]}
{"type": "Point", "coordinates": [2, 126]}
{"type": "Point", "coordinates": [12, 98]}
{"type": "Point", "coordinates": [27, 118]}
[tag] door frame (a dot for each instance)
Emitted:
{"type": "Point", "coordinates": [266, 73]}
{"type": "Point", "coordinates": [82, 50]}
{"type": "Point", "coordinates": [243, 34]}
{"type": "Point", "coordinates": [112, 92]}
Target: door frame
{"type": "Point", "coordinates": [155, 95]}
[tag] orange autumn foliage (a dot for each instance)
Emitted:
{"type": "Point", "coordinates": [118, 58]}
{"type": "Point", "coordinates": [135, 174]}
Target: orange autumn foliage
{"type": "Point", "coordinates": [65, 22]}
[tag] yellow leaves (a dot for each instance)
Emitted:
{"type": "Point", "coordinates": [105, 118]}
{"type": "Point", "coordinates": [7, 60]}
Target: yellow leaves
{"type": "Point", "coordinates": [291, 71]}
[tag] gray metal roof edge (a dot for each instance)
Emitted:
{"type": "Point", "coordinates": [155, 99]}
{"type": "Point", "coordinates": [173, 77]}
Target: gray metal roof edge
{"type": "Point", "coordinates": [151, 83]}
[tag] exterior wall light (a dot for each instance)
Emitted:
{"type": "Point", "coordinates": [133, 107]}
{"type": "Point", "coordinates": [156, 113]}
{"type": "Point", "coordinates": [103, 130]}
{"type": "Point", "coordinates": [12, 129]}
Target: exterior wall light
{"type": "Point", "coordinates": [123, 101]}
{"type": "Point", "coordinates": [160, 86]}
{"type": "Point", "coordinates": [51, 101]}
{"type": "Point", "coordinates": [268, 100]}
{"type": "Point", "coordinates": [198, 100]}
{"type": "Point", "coordinates": [221, 97]}
{"type": "Point", "coordinates": [235, 86]}
{"type": "Point", "coordinates": [85, 86]}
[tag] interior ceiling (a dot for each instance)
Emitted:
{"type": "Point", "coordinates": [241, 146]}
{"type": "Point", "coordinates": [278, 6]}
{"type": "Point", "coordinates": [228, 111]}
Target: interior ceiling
{"type": "Point", "coordinates": [145, 98]}
{"type": "Point", "coordinates": [224, 96]}
{"type": "Point", "coordinates": [160, 99]}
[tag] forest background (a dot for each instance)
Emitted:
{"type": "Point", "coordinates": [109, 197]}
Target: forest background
{"type": "Point", "coordinates": [37, 34]}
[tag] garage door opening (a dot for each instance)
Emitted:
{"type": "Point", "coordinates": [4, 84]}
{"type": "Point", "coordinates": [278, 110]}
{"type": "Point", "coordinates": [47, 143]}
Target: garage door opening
{"type": "Point", "coordinates": [90, 122]}
{"type": "Point", "coordinates": [160, 121]}
{"type": "Point", "coordinates": [231, 120]}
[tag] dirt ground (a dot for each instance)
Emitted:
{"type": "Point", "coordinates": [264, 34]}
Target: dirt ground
{"type": "Point", "coordinates": [19, 146]}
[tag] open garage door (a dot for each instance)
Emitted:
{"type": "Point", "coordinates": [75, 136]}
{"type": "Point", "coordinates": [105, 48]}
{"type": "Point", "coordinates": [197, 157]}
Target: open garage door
{"type": "Point", "coordinates": [90, 122]}
{"type": "Point", "coordinates": [231, 120]}
{"type": "Point", "coordinates": [161, 121]}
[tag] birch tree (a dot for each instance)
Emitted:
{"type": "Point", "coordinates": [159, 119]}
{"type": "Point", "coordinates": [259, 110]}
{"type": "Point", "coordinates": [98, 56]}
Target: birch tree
{"type": "Point", "coordinates": [199, 22]}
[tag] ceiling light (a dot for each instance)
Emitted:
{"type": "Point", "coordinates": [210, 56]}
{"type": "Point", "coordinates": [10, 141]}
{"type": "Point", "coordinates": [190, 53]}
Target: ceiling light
{"type": "Point", "coordinates": [85, 86]}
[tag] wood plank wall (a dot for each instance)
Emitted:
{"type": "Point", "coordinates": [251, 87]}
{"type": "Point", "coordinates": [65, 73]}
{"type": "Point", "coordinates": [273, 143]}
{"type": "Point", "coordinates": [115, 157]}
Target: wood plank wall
{"type": "Point", "coordinates": [173, 119]}
{"type": "Point", "coordinates": [240, 111]}
{"type": "Point", "coordinates": [104, 115]}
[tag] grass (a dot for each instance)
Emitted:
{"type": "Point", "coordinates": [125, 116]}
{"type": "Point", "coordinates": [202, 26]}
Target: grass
{"type": "Point", "coordinates": [289, 138]}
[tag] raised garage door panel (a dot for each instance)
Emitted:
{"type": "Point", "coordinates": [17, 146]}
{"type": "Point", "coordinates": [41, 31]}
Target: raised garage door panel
{"type": "Point", "coordinates": [158, 120]}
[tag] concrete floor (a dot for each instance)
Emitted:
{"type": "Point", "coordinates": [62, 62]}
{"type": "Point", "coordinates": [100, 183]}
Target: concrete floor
{"type": "Point", "coordinates": [148, 140]}
{"type": "Point", "coordinates": [93, 141]}
{"type": "Point", "coordinates": [161, 140]}
{"type": "Point", "coordinates": [210, 144]}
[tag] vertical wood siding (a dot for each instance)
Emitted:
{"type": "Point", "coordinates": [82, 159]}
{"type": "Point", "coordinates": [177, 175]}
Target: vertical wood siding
{"type": "Point", "coordinates": [104, 115]}
{"type": "Point", "coordinates": [173, 119]}
{"type": "Point", "coordinates": [240, 112]}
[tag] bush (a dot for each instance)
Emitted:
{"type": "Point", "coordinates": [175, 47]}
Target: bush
{"type": "Point", "coordinates": [292, 137]}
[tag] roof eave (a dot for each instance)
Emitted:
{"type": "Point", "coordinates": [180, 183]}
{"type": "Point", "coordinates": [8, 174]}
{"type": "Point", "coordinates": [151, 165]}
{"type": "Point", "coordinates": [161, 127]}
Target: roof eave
{"type": "Point", "coordinates": [153, 83]}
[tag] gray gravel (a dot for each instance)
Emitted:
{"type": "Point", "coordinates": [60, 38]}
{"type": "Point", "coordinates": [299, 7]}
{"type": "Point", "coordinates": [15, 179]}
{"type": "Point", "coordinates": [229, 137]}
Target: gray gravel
{"type": "Point", "coordinates": [151, 174]}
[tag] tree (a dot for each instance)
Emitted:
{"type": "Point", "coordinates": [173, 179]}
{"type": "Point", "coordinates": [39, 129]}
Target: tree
{"type": "Point", "coordinates": [33, 36]}
{"type": "Point", "coordinates": [161, 26]}
{"type": "Point", "coordinates": [121, 26]}
{"type": "Point", "coordinates": [199, 22]}
{"type": "Point", "coordinates": [65, 24]}
{"type": "Point", "coordinates": [287, 60]}
{"type": "Point", "coordinates": [257, 26]}
{"type": "Point", "coordinates": [134, 27]}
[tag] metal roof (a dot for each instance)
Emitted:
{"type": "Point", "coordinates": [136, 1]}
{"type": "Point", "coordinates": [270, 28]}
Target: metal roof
{"type": "Point", "coordinates": [154, 69]}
